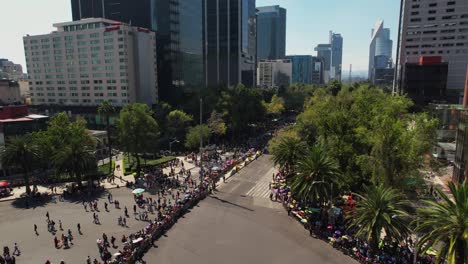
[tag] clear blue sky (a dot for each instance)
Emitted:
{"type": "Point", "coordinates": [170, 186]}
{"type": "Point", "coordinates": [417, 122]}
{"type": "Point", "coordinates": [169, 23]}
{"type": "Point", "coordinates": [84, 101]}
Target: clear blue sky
{"type": "Point", "coordinates": [308, 23]}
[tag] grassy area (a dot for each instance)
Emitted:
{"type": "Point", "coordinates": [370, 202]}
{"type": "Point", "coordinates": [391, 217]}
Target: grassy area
{"type": "Point", "coordinates": [104, 169]}
{"type": "Point", "coordinates": [129, 163]}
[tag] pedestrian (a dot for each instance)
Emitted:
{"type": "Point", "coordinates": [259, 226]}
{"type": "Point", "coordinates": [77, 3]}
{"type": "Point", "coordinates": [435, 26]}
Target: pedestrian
{"type": "Point", "coordinates": [35, 229]}
{"type": "Point", "coordinates": [88, 260]}
{"type": "Point", "coordinates": [16, 250]}
{"type": "Point", "coordinates": [60, 225]}
{"type": "Point", "coordinates": [126, 211]}
{"type": "Point", "coordinates": [78, 226]}
{"type": "Point", "coordinates": [85, 207]}
{"type": "Point", "coordinates": [134, 209]}
{"type": "Point", "coordinates": [105, 206]}
{"type": "Point", "coordinates": [113, 241]}
{"type": "Point", "coordinates": [56, 242]}
{"type": "Point", "coordinates": [125, 222]}
{"type": "Point", "coordinates": [47, 215]}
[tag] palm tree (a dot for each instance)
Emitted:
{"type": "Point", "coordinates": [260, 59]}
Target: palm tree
{"type": "Point", "coordinates": [446, 223]}
{"type": "Point", "coordinates": [21, 152]}
{"type": "Point", "coordinates": [288, 152]}
{"type": "Point", "coordinates": [75, 159]}
{"type": "Point", "coordinates": [315, 172]}
{"type": "Point", "coordinates": [106, 110]}
{"type": "Point", "coordinates": [380, 209]}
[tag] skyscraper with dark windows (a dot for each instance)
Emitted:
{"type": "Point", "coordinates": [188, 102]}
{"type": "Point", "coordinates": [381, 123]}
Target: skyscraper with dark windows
{"type": "Point", "coordinates": [336, 42]}
{"type": "Point", "coordinates": [380, 50]}
{"type": "Point", "coordinates": [271, 32]}
{"type": "Point", "coordinates": [179, 38]}
{"type": "Point", "coordinates": [230, 42]}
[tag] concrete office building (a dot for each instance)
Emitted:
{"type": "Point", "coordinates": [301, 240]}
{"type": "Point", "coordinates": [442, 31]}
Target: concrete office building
{"type": "Point", "coordinates": [179, 32]}
{"type": "Point", "coordinates": [436, 28]}
{"type": "Point", "coordinates": [271, 32]}
{"type": "Point", "coordinates": [380, 51]}
{"type": "Point", "coordinates": [9, 92]}
{"type": "Point", "coordinates": [336, 43]}
{"type": "Point", "coordinates": [317, 70]}
{"type": "Point", "coordinates": [273, 74]}
{"type": "Point", "coordinates": [11, 70]}
{"type": "Point", "coordinates": [230, 38]}
{"type": "Point", "coordinates": [88, 61]}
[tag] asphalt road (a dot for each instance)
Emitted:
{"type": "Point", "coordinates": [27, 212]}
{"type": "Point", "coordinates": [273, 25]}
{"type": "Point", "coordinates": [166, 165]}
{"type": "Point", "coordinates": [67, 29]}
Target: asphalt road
{"type": "Point", "coordinates": [239, 224]}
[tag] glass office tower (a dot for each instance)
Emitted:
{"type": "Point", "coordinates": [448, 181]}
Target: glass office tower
{"type": "Point", "coordinates": [179, 38]}
{"type": "Point", "coordinates": [271, 32]}
{"type": "Point", "coordinates": [230, 38]}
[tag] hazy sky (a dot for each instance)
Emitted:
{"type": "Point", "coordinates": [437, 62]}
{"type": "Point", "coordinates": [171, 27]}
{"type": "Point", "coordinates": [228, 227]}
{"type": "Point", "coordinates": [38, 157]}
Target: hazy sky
{"type": "Point", "coordinates": [308, 23]}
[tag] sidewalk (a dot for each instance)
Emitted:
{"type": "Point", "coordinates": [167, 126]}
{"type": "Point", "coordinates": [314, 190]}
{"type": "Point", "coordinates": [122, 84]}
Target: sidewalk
{"type": "Point", "coordinates": [439, 180]}
{"type": "Point", "coordinates": [19, 191]}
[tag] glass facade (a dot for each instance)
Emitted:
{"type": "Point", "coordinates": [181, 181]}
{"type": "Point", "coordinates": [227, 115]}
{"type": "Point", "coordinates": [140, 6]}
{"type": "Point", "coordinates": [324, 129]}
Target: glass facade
{"type": "Point", "coordinates": [230, 37]}
{"type": "Point", "coordinates": [271, 32]}
{"type": "Point", "coordinates": [380, 50]}
{"type": "Point", "coordinates": [302, 68]}
{"type": "Point", "coordinates": [336, 42]}
{"type": "Point", "coordinates": [179, 38]}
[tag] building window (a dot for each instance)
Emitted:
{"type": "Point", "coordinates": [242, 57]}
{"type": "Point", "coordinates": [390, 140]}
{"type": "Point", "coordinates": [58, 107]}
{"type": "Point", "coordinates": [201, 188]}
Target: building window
{"type": "Point", "coordinates": [94, 35]}
{"type": "Point", "coordinates": [450, 10]}
{"type": "Point", "coordinates": [451, 3]}
{"type": "Point", "coordinates": [415, 20]}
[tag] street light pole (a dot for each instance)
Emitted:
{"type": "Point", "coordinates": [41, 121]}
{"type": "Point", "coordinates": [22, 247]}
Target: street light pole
{"type": "Point", "coordinates": [170, 145]}
{"type": "Point", "coordinates": [201, 141]}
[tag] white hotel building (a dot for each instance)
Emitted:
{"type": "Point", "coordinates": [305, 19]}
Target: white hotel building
{"type": "Point", "coordinates": [273, 74]}
{"type": "Point", "coordinates": [88, 61]}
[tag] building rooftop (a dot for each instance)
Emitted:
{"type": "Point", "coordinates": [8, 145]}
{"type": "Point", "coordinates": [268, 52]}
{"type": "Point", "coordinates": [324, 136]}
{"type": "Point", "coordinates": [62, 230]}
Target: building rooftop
{"type": "Point", "coordinates": [87, 21]}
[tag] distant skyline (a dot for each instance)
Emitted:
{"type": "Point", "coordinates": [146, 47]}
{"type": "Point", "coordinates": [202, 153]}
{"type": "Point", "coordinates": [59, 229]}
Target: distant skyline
{"type": "Point", "coordinates": [308, 24]}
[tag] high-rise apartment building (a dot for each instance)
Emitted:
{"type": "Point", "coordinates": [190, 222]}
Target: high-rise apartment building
{"type": "Point", "coordinates": [230, 42]}
{"type": "Point", "coordinates": [436, 28]}
{"type": "Point", "coordinates": [336, 42]}
{"type": "Point", "coordinates": [273, 74]}
{"type": "Point", "coordinates": [380, 50]}
{"type": "Point", "coordinates": [88, 61]}
{"type": "Point", "coordinates": [324, 53]}
{"type": "Point", "coordinates": [179, 30]}
{"type": "Point", "coordinates": [271, 32]}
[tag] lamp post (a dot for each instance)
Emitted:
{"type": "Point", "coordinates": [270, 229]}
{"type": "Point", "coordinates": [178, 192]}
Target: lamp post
{"type": "Point", "coordinates": [201, 141]}
{"type": "Point", "coordinates": [170, 145]}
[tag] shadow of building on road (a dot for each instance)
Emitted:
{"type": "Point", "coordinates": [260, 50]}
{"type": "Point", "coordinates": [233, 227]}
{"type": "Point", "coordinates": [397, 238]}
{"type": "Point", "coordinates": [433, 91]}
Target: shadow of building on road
{"type": "Point", "coordinates": [227, 202]}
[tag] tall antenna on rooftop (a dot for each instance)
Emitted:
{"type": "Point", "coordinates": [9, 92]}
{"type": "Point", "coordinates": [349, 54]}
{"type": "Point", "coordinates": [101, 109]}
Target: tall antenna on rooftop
{"type": "Point", "coordinates": [350, 73]}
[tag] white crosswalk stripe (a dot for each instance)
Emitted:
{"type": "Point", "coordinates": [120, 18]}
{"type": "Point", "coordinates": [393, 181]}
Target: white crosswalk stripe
{"type": "Point", "coordinates": [261, 189]}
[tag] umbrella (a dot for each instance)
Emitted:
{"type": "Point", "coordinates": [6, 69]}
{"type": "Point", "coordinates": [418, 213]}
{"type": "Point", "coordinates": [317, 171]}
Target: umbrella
{"type": "Point", "coordinates": [304, 221]}
{"type": "Point", "coordinates": [138, 191]}
{"type": "Point", "coordinates": [137, 240]}
{"type": "Point", "coordinates": [215, 168]}
{"type": "Point", "coordinates": [117, 254]}
{"type": "Point", "coordinates": [4, 183]}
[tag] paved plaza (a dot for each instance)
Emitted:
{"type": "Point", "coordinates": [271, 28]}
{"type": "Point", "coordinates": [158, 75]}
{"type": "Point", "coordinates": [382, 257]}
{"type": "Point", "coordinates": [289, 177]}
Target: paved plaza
{"type": "Point", "coordinates": [238, 224]}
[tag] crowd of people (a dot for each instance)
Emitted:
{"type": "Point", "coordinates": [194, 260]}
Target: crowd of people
{"type": "Point", "coordinates": [328, 222]}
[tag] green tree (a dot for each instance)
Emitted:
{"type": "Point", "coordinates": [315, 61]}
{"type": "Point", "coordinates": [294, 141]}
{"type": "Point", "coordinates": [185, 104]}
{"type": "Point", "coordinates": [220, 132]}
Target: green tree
{"type": "Point", "coordinates": [137, 130]}
{"type": "Point", "coordinates": [333, 87]}
{"type": "Point", "coordinates": [192, 139]}
{"type": "Point", "coordinates": [315, 172]}
{"type": "Point", "coordinates": [106, 110]}
{"type": "Point", "coordinates": [275, 106]}
{"type": "Point", "coordinates": [178, 122]}
{"type": "Point", "coordinates": [287, 153]}
{"type": "Point", "coordinates": [22, 153]}
{"type": "Point", "coordinates": [380, 209]}
{"type": "Point", "coordinates": [295, 95]}
{"type": "Point", "coordinates": [217, 124]}
{"type": "Point", "coordinates": [445, 223]}
{"type": "Point", "coordinates": [77, 156]}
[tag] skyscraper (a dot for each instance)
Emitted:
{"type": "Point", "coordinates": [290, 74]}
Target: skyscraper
{"type": "Point", "coordinates": [436, 28]}
{"type": "Point", "coordinates": [230, 38]}
{"type": "Point", "coordinates": [271, 32]}
{"type": "Point", "coordinates": [274, 74]}
{"type": "Point", "coordinates": [336, 42]}
{"type": "Point", "coordinates": [324, 53]}
{"type": "Point", "coordinates": [380, 50]}
{"type": "Point", "coordinates": [179, 38]}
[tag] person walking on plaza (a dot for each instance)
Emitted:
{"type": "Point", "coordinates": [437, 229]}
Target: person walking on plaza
{"type": "Point", "coordinates": [35, 229]}
{"type": "Point", "coordinates": [88, 260]}
{"type": "Point", "coordinates": [126, 211]}
{"type": "Point", "coordinates": [47, 215]}
{"type": "Point", "coordinates": [60, 225]}
{"type": "Point", "coordinates": [105, 206]}
{"type": "Point", "coordinates": [16, 250]}
{"type": "Point", "coordinates": [78, 226]}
